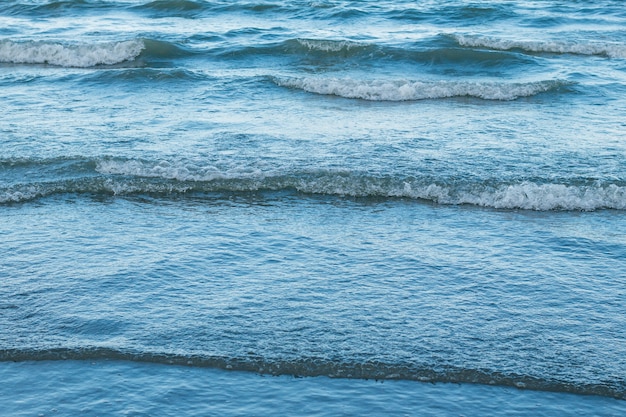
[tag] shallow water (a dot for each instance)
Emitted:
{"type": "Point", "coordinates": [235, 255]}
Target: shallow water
{"type": "Point", "coordinates": [122, 388]}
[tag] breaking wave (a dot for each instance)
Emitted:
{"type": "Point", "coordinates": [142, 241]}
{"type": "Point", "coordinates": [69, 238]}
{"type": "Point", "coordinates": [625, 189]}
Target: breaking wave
{"type": "Point", "coordinates": [116, 177]}
{"type": "Point", "coordinates": [406, 90]}
{"type": "Point", "coordinates": [332, 45]}
{"type": "Point", "coordinates": [607, 49]}
{"type": "Point", "coordinates": [86, 55]}
{"type": "Point", "coordinates": [70, 55]}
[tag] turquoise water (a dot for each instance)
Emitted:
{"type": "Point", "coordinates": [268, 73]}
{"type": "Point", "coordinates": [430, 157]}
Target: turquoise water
{"type": "Point", "coordinates": [312, 208]}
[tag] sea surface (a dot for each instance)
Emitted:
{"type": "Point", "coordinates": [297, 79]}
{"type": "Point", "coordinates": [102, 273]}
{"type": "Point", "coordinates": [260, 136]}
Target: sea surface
{"type": "Point", "coordinates": [320, 208]}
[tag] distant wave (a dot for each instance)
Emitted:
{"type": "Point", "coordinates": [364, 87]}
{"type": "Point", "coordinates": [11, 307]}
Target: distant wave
{"type": "Point", "coordinates": [608, 49]}
{"type": "Point", "coordinates": [119, 177]}
{"type": "Point", "coordinates": [40, 8]}
{"type": "Point", "coordinates": [148, 74]}
{"type": "Point", "coordinates": [312, 367]}
{"type": "Point", "coordinates": [406, 90]}
{"type": "Point", "coordinates": [190, 8]}
{"type": "Point", "coordinates": [172, 5]}
{"type": "Point", "coordinates": [327, 45]}
{"type": "Point", "coordinates": [456, 12]}
{"type": "Point", "coordinates": [70, 55]}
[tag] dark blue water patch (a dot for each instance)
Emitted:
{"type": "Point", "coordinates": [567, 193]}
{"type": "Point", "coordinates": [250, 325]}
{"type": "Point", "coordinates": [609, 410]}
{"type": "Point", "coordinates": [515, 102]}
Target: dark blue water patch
{"type": "Point", "coordinates": [447, 14]}
{"type": "Point", "coordinates": [161, 53]}
{"type": "Point", "coordinates": [17, 170]}
{"type": "Point", "coordinates": [19, 77]}
{"type": "Point", "coordinates": [573, 13]}
{"type": "Point", "coordinates": [173, 7]}
{"type": "Point", "coordinates": [421, 52]}
{"type": "Point", "coordinates": [313, 367]}
{"type": "Point", "coordinates": [165, 50]}
{"type": "Point", "coordinates": [56, 8]}
{"type": "Point", "coordinates": [201, 8]}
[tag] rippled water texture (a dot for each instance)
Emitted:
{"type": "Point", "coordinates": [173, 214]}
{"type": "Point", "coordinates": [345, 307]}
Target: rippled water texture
{"type": "Point", "coordinates": [312, 207]}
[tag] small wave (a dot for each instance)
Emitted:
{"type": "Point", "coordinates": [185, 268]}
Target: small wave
{"type": "Point", "coordinates": [119, 177]}
{"type": "Point", "coordinates": [172, 5]}
{"type": "Point", "coordinates": [305, 48]}
{"type": "Point", "coordinates": [405, 90]}
{"type": "Point", "coordinates": [611, 50]}
{"type": "Point", "coordinates": [190, 8]}
{"type": "Point", "coordinates": [331, 45]}
{"type": "Point", "coordinates": [147, 74]}
{"type": "Point", "coordinates": [363, 54]}
{"type": "Point", "coordinates": [313, 367]}
{"type": "Point", "coordinates": [70, 55]}
{"type": "Point", "coordinates": [53, 7]}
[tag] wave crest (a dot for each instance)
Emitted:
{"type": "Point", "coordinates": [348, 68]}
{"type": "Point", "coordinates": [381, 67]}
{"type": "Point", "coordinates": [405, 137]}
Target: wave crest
{"type": "Point", "coordinates": [69, 55]}
{"type": "Point", "coordinates": [164, 179]}
{"type": "Point", "coordinates": [405, 90]}
{"type": "Point", "coordinates": [611, 50]}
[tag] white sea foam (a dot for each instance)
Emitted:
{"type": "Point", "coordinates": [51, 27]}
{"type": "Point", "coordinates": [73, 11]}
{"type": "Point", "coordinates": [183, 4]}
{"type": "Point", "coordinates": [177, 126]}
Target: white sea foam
{"type": "Point", "coordinates": [528, 196]}
{"type": "Point", "coordinates": [611, 50]}
{"type": "Point", "coordinates": [69, 55]}
{"type": "Point", "coordinates": [179, 171]}
{"type": "Point", "coordinates": [140, 169]}
{"type": "Point", "coordinates": [406, 90]}
{"type": "Point", "coordinates": [328, 45]}
{"type": "Point", "coordinates": [16, 196]}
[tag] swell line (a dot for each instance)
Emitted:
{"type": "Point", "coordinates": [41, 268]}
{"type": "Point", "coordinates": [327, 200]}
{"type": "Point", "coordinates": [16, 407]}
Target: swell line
{"type": "Point", "coordinates": [119, 177]}
{"type": "Point", "coordinates": [314, 367]}
{"type": "Point", "coordinates": [436, 51]}
{"type": "Point", "coordinates": [410, 90]}
{"type": "Point", "coordinates": [560, 47]}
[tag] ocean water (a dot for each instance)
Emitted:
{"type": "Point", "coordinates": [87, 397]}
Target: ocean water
{"type": "Point", "coordinates": [257, 207]}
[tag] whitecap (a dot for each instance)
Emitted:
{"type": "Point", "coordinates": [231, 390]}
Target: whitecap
{"type": "Point", "coordinates": [69, 55]}
{"type": "Point", "coordinates": [609, 49]}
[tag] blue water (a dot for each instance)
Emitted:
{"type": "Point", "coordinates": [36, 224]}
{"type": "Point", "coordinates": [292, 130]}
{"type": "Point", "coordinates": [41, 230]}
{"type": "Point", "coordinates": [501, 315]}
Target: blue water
{"type": "Point", "coordinates": [312, 207]}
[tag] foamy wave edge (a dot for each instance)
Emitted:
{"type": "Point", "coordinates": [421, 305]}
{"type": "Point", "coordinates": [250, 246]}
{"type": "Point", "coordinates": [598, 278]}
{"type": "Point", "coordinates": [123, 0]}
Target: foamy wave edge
{"type": "Point", "coordinates": [163, 179]}
{"type": "Point", "coordinates": [314, 367]}
{"type": "Point", "coordinates": [407, 90]}
{"type": "Point", "coordinates": [69, 55]}
{"type": "Point", "coordinates": [329, 45]}
{"type": "Point", "coordinates": [611, 50]}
